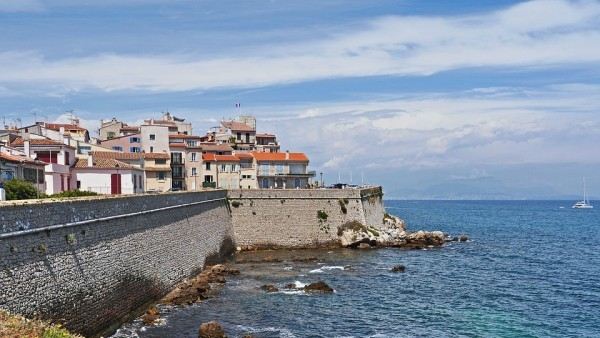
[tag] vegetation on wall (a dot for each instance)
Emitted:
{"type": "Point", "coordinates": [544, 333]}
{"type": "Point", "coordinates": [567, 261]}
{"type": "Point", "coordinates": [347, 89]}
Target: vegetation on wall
{"type": "Point", "coordinates": [235, 204]}
{"type": "Point", "coordinates": [322, 215]}
{"type": "Point", "coordinates": [73, 193]}
{"type": "Point", "coordinates": [17, 326]}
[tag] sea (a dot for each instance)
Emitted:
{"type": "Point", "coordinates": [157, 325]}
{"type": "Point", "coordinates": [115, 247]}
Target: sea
{"type": "Point", "coordinates": [529, 269]}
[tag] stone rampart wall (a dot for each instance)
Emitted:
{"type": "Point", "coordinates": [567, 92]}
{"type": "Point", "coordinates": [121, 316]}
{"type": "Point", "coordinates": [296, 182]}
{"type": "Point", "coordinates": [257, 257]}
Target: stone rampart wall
{"type": "Point", "coordinates": [300, 218]}
{"type": "Point", "coordinates": [90, 263]}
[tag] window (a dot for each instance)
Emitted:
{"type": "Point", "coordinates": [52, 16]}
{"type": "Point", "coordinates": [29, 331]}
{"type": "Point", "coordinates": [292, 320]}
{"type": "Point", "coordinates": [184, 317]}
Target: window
{"type": "Point", "coordinates": [134, 139]}
{"type": "Point", "coordinates": [194, 172]}
{"type": "Point", "coordinates": [152, 137]}
{"type": "Point", "coordinates": [78, 185]}
{"type": "Point", "coordinates": [29, 175]}
{"type": "Point", "coordinates": [223, 168]}
{"type": "Point", "coordinates": [140, 182]}
{"type": "Point", "coordinates": [67, 159]}
{"type": "Point", "coordinates": [239, 136]}
{"type": "Point", "coordinates": [161, 175]}
{"type": "Point", "coordinates": [151, 149]}
{"type": "Point", "coordinates": [233, 168]}
{"type": "Point", "coordinates": [265, 183]}
{"type": "Point", "coordinates": [297, 183]}
{"type": "Point", "coordinates": [208, 178]}
{"type": "Point", "coordinates": [160, 161]}
{"type": "Point", "coordinates": [110, 134]}
{"type": "Point", "coordinates": [194, 156]}
{"type": "Point", "coordinates": [207, 165]}
{"type": "Point", "coordinates": [84, 149]}
{"type": "Point", "coordinates": [264, 169]}
{"type": "Point", "coordinates": [246, 177]}
{"type": "Point", "coordinates": [117, 148]}
{"type": "Point", "coordinates": [247, 137]}
{"type": "Point", "coordinates": [135, 150]}
{"type": "Point", "coordinates": [192, 143]}
{"type": "Point", "coordinates": [134, 182]}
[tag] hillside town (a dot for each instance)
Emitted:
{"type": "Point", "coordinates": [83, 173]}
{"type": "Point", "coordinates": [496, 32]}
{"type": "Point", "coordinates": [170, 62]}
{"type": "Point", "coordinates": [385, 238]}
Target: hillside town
{"type": "Point", "coordinates": [158, 155]}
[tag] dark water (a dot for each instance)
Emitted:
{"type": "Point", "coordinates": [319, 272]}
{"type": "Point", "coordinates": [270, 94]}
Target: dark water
{"type": "Point", "coordinates": [532, 269]}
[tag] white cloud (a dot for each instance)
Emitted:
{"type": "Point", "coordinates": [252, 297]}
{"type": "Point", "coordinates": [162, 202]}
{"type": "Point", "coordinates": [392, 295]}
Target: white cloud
{"type": "Point", "coordinates": [555, 124]}
{"type": "Point", "coordinates": [533, 34]}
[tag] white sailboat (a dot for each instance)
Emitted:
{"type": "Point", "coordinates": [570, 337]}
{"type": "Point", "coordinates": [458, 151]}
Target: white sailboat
{"type": "Point", "coordinates": [585, 203]}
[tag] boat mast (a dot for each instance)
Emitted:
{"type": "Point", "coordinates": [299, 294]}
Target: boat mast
{"type": "Point", "coordinates": [584, 194]}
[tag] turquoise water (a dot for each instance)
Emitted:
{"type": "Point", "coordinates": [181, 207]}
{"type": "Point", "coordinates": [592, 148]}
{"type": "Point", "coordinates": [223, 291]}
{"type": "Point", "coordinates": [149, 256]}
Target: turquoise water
{"type": "Point", "coordinates": [531, 269]}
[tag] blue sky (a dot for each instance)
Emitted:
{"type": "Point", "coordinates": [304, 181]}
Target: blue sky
{"type": "Point", "coordinates": [432, 99]}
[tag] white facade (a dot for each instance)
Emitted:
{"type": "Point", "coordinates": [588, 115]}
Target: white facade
{"type": "Point", "coordinates": [155, 138]}
{"type": "Point", "coordinates": [99, 180]}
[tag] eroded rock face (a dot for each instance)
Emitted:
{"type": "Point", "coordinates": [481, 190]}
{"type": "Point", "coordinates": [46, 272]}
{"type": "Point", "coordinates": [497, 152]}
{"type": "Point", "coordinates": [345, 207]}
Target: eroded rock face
{"type": "Point", "coordinates": [211, 330]}
{"type": "Point", "coordinates": [425, 238]}
{"type": "Point", "coordinates": [269, 288]}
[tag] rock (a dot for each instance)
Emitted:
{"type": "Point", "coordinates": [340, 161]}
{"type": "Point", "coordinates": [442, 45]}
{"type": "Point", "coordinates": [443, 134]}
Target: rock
{"type": "Point", "coordinates": [425, 238]}
{"type": "Point", "coordinates": [290, 286]}
{"type": "Point", "coordinates": [269, 288]}
{"type": "Point", "coordinates": [151, 316]}
{"type": "Point", "coordinates": [398, 268]}
{"type": "Point", "coordinates": [464, 238]}
{"type": "Point", "coordinates": [211, 330]}
{"type": "Point", "coordinates": [319, 286]}
{"type": "Point", "coordinates": [247, 336]}
{"type": "Point", "coordinates": [364, 246]}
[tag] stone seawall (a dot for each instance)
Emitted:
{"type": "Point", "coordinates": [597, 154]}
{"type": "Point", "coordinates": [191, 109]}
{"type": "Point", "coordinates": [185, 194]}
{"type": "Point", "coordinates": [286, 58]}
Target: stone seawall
{"type": "Point", "coordinates": [89, 263]}
{"type": "Point", "coordinates": [300, 218]}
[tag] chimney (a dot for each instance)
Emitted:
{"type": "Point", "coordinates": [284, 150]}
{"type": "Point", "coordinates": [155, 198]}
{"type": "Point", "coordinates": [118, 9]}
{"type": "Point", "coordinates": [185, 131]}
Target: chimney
{"type": "Point", "coordinates": [26, 145]}
{"type": "Point", "coordinates": [90, 161]}
{"type": "Point", "coordinates": [287, 154]}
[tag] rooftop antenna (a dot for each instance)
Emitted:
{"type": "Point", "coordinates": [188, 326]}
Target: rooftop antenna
{"type": "Point", "coordinates": [362, 178]}
{"type": "Point", "coordinates": [339, 177]}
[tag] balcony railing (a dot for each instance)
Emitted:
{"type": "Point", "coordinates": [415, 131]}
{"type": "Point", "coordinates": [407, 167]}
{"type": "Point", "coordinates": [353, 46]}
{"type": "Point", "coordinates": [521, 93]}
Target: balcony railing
{"type": "Point", "coordinates": [209, 184]}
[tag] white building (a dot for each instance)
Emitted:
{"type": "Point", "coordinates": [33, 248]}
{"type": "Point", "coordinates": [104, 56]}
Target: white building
{"type": "Point", "coordinates": [108, 176]}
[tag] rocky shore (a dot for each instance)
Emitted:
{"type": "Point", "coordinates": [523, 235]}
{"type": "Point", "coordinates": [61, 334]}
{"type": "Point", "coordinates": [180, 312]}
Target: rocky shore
{"type": "Point", "coordinates": [391, 233]}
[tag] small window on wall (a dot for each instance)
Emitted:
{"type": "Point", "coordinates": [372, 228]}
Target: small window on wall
{"type": "Point", "coordinates": [194, 172]}
{"type": "Point", "coordinates": [207, 166]}
{"type": "Point", "coordinates": [135, 149]}
{"type": "Point", "coordinates": [161, 175]}
{"type": "Point", "coordinates": [223, 168]}
{"type": "Point", "coordinates": [151, 149]}
{"type": "Point", "coordinates": [78, 185]}
{"type": "Point", "coordinates": [194, 155]}
{"type": "Point", "coordinates": [117, 148]}
{"type": "Point", "coordinates": [152, 137]}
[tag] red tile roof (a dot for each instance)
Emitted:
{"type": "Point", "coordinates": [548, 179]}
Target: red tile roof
{"type": "Point", "coordinates": [38, 142]}
{"type": "Point", "coordinates": [283, 157]}
{"type": "Point", "coordinates": [244, 156]}
{"type": "Point", "coordinates": [116, 155]}
{"type": "Point", "coordinates": [236, 126]}
{"type": "Point", "coordinates": [57, 126]}
{"type": "Point", "coordinates": [20, 159]}
{"type": "Point", "coordinates": [216, 147]}
{"type": "Point", "coordinates": [265, 135]}
{"type": "Point", "coordinates": [103, 163]}
{"type": "Point", "coordinates": [209, 157]}
{"type": "Point", "coordinates": [184, 136]}
{"type": "Point", "coordinates": [130, 128]}
{"type": "Point", "coordinates": [156, 156]}
{"type": "Point", "coordinates": [227, 158]}
{"type": "Point", "coordinates": [177, 145]}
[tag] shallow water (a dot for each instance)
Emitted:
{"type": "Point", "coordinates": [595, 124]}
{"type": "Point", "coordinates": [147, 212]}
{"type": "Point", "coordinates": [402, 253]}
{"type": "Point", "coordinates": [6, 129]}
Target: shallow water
{"type": "Point", "coordinates": [531, 269]}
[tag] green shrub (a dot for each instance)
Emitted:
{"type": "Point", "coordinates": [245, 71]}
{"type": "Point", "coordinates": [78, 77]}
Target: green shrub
{"type": "Point", "coordinates": [56, 332]}
{"type": "Point", "coordinates": [71, 239]}
{"type": "Point", "coordinates": [235, 204]}
{"type": "Point", "coordinates": [20, 190]}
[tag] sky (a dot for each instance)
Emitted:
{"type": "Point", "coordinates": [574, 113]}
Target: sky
{"type": "Point", "coordinates": [431, 99]}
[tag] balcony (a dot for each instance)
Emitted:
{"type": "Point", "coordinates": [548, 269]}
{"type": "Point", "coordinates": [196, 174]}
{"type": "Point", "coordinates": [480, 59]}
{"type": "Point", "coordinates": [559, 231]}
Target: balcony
{"type": "Point", "coordinates": [209, 184]}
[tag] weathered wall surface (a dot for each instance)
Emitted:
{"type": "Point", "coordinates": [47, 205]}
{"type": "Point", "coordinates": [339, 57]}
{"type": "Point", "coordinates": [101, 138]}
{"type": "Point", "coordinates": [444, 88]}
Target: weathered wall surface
{"type": "Point", "coordinates": [290, 218]}
{"type": "Point", "coordinates": [88, 263]}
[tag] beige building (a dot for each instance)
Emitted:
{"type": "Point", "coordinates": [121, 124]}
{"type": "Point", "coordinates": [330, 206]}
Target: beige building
{"type": "Point", "coordinates": [282, 170]}
{"type": "Point", "coordinates": [176, 125]}
{"type": "Point", "coordinates": [221, 171]}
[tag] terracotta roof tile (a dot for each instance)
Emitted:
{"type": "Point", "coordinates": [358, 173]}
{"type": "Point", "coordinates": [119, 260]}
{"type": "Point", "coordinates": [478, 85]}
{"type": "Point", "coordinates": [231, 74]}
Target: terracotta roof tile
{"type": "Point", "coordinates": [216, 147]}
{"type": "Point", "coordinates": [236, 126]}
{"type": "Point", "coordinates": [57, 126]}
{"type": "Point", "coordinates": [19, 159]}
{"type": "Point", "coordinates": [38, 142]}
{"type": "Point", "coordinates": [116, 155]}
{"type": "Point", "coordinates": [103, 163]}
{"type": "Point", "coordinates": [227, 158]}
{"type": "Point", "coordinates": [209, 157]}
{"type": "Point", "coordinates": [284, 157]}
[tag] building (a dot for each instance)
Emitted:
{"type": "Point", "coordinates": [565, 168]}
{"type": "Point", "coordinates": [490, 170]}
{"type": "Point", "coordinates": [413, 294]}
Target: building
{"type": "Point", "coordinates": [267, 143]}
{"type": "Point", "coordinates": [240, 134]}
{"type": "Point", "coordinates": [156, 168]}
{"type": "Point", "coordinates": [221, 171]}
{"type": "Point", "coordinates": [282, 170]}
{"type": "Point", "coordinates": [247, 171]}
{"type": "Point", "coordinates": [131, 143]}
{"type": "Point", "coordinates": [176, 125]}
{"type": "Point", "coordinates": [15, 165]}
{"type": "Point", "coordinates": [58, 156]}
{"type": "Point", "coordinates": [108, 176]}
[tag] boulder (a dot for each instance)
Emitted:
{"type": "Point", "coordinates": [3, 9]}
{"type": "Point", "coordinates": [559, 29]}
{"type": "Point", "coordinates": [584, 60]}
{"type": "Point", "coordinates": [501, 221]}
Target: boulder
{"type": "Point", "coordinates": [151, 316]}
{"type": "Point", "coordinates": [211, 330]}
{"type": "Point", "coordinates": [364, 246]}
{"type": "Point", "coordinates": [269, 288]}
{"type": "Point", "coordinates": [464, 238]}
{"type": "Point", "coordinates": [425, 238]}
{"type": "Point", "coordinates": [398, 268]}
{"type": "Point", "coordinates": [290, 286]}
{"type": "Point", "coordinates": [318, 287]}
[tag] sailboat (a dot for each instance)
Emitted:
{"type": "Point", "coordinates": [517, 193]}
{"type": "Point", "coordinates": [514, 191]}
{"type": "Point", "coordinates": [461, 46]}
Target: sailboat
{"type": "Point", "coordinates": [585, 203]}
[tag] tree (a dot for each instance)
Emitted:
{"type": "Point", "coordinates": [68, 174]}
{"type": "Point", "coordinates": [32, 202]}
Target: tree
{"type": "Point", "coordinates": [20, 190]}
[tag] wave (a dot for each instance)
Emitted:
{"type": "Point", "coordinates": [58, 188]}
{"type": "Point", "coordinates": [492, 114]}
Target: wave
{"type": "Point", "coordinates": [327, 268]}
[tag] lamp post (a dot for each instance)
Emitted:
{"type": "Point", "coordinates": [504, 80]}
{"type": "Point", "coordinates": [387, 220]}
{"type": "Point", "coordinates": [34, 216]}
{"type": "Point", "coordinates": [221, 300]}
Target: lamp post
{"type": "Point", "coordinates": [321, 179]}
